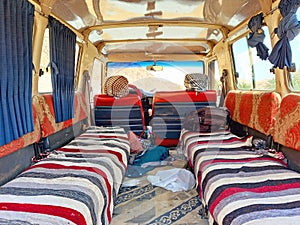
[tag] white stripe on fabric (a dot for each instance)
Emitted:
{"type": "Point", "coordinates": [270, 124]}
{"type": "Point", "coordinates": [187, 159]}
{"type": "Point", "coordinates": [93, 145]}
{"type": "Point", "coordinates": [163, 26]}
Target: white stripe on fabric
{"type": "Point", "coordinates": [14, 217]}
{"type": "Point", "coordinates": [52, 201]}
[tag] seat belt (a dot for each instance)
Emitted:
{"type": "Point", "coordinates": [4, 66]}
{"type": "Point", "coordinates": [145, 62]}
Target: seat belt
{"type": "Point", "coordinates": [224, 81]}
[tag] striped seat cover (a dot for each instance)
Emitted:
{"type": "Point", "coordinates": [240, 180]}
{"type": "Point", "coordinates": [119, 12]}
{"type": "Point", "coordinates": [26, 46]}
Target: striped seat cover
{"type": "Point", "coordinates": [76, 184]}
{"type": "Point", "coordinates": [238, 186]}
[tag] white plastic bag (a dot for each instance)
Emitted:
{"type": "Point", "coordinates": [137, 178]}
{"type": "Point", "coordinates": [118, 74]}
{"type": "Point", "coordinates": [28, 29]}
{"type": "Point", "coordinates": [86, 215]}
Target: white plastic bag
{"type": "Point", "coordinates": [174, 179]}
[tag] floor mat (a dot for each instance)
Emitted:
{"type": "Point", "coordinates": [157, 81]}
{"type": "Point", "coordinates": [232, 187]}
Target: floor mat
{"type": "Point", "coordinates": [145, 204]}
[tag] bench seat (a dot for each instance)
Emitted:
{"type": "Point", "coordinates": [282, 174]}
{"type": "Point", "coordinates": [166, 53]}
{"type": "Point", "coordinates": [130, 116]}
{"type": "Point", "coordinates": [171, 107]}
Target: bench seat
{"type": "Point", "coordinates": [239, 186]}
{"type": "Point", "coordinates": [75, 184]}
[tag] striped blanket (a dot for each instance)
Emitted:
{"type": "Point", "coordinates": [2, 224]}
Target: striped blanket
{"type": "Point", "coordinates": [76, 184]}
{"type": "Point", "coordinates": [238, 186]}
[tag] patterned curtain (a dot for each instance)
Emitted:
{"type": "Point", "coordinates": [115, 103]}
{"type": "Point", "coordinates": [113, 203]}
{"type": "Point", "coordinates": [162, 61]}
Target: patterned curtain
{"type": "Point", "coordinates": [62, 54]}
{"type": "Point", "coordinates": [16, 27]}
{"type": "Point", "coordinates": [288, 29]}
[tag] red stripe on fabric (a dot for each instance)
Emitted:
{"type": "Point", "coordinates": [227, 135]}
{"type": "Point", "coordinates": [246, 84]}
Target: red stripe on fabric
{"type": "Point", "coordinates": [118, 154]}
{"type": "Point", "coordinates": [230, 191]}
{"type": "Point", "coordinates": [91, 169]}
{"type": "Point", "coordinates": [59, 211]}
{"type": "Point", "coordinates": [101, 136]}
{"type": "Point", "coordinates": [200, 185]}
{"type": "Point", "coordinates": [191, 165]}
{"type": "Point", "coordinates": [167, 142]}
{"type": "Point", "coordinates": [129, 100]}
{"type": "Point", "coordinates": [185, 96]}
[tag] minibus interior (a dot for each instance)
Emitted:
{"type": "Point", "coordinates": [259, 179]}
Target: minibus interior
{"type": "Point", "coordinates": [149, 112]}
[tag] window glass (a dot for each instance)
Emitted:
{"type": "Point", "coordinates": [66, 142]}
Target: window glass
{"type": "Point", "coordinates": [169, 75]}
{"type": "Point", "coordinates": [252, 72]}
{"type": "Point", "coordinates": [295, 45]}
{"type": "Point", "coordinates": [77, 55]}
{"type": "Point", "coordinates": [45, 82]}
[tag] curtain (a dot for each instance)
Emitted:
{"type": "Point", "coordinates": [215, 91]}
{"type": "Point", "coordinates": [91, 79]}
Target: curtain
{"type": "Point", "coordinates": [16, 27]}
{"type": "Point", "coordinates": [257, 36]}
{"type": "Point", "coordinates": [62, 55]}
{"type": "Point", "coordinates": [288, 29]}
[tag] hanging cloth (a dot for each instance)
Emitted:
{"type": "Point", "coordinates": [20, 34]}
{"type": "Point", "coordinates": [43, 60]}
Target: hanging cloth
{"type": "Point", "coordinates": [288, 29]}
{"type": "Point", "coordinates": [62, 54]}
{"type": "Point", "coordinates": [257, 36]}
{"type": "Point", "coordinates": [16, 28]}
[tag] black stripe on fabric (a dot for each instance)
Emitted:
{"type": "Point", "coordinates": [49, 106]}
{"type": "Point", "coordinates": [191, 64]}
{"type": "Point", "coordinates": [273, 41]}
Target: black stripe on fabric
{"type": "Point", "coordinates": [258, 207]}
{"type": "Point", "coordinates": [79, 142]}
{"type": "Point", "coordinates": [90, 158]}
{"type": "Point", "coordinates": [101, 139]}
{"type": "Point", "coordinates": [66, 193]}
{"type": "Point", "coordinates": [232, 172]}
{"type": "Point", "coordinates": [98, 162]}
{"type": "Point", "coordinates": [124, 150]}
{"type": "Point", "coordinates": [15, 222]}
{"type": "Point", "coordinates": [249, 186]}
{"type": "Point", "coordinates": [207, 136]}
{"type": "Point", "coordinates": [220, 150]}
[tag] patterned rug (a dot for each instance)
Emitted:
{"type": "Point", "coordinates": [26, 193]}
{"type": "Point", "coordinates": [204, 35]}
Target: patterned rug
{"type": "Point", "coordinates": [146, 204]}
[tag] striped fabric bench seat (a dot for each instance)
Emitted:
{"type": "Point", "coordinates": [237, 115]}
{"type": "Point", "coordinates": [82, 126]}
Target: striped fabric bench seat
{"type": "Point", "coordinates": [239, 186]}
{"type": "Point", "coordinates": [75, 184]}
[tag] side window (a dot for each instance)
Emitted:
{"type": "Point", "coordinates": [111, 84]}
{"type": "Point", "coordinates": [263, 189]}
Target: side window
{"type": "Point", "coordinates": [45, 81]}
{"type": "Point", "coordinates": [251, 72]}
{"type": "Point", "coordinates": [295, 45]}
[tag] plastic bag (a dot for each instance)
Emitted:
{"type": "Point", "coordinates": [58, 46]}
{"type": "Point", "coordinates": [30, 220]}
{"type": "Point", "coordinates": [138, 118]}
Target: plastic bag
{"type": "Point", "coordinates": [173, 180]}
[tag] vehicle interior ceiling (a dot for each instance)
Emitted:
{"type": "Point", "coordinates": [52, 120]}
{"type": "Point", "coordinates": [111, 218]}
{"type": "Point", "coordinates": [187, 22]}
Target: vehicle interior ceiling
{"type": "Point", "coordinates": [146, 30]}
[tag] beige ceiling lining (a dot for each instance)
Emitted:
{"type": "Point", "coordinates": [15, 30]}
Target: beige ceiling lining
{"type": "Point", "coordinates": [185, 41]}
{"type": "Point", "coordinates": [159, 47]}
{"type": "Point", "coordinates": [132, 57]}
{"type": "Point", "coordinates": [180, 22]}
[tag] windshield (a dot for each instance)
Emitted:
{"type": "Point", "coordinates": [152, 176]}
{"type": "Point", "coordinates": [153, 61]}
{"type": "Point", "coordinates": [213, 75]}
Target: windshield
{"type": "Point", "coordinates": [155, 76]}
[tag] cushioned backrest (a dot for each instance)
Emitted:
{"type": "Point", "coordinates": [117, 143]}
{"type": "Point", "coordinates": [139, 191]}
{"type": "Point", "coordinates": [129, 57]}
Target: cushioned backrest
{"type": "Point", "coordinates": [255, 109]}
{"type": "Point", "coordinates": [47, 116]}
{"type": "Point", "coordinates": [126, 112]}
{"type": "Point", "coordinates": [169, 110]}
{"type": "Point", "coordinates": [287, 126]}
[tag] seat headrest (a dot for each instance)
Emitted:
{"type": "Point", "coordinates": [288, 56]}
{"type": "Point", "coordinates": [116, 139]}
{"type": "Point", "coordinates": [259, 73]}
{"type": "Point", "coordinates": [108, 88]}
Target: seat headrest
{"type": "Point", "coordinates": [116, 86]}
{"type": "Point", "coordinates": [195, 81]}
